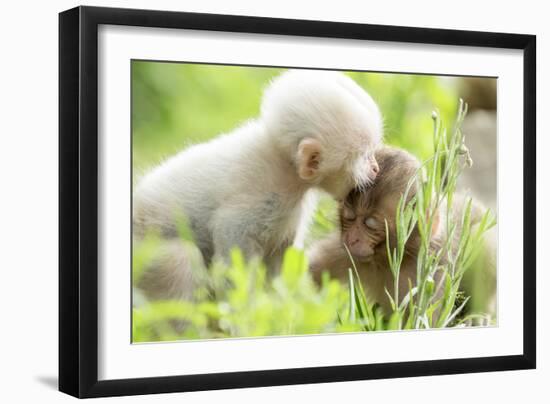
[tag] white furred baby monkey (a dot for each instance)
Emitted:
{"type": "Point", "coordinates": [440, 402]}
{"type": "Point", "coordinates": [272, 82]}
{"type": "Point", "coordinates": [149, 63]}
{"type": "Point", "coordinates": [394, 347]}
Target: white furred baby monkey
{"type": "Point", "coordinates": [249, 188]}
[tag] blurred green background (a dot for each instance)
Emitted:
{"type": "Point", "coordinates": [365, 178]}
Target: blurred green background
{"type": "Point", "coordinates": [175, 105]}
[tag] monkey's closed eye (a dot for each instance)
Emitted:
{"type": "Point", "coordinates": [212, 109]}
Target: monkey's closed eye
{"type": "Point", "coordinates": [371, 222]}
{"type": "Point", "coordinates": [348, 213]}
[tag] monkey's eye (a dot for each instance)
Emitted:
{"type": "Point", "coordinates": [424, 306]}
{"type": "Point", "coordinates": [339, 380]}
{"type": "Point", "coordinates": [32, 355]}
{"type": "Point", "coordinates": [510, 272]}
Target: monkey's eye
{"type": "Point", "coordinates": [348, 213]}
{"type": "Point", "coordinates": [371, 222]}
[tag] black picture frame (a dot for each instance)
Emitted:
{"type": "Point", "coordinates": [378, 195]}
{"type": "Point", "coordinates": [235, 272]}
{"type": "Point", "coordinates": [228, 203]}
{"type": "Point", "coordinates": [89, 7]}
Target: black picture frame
{"type": "Point", "coordinates": [78, 200]}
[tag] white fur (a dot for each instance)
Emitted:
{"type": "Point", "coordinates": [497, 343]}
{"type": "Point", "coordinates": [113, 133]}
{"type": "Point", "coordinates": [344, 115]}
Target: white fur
{"type": "Point", "coordinates": [242, 188]}
{"type": "Point", "coordinates": [325, 105]}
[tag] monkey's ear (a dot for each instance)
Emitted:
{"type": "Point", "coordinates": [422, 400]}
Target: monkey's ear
{"type": "Point", "coordinates": [309, 159]}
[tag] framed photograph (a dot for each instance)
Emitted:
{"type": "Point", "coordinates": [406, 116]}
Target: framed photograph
{"type": "Point", "coordinates": [251, 201]}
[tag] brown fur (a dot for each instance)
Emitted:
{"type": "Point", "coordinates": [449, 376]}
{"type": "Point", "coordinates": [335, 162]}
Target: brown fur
{"type": "Point", "coordinates": [367, 243]}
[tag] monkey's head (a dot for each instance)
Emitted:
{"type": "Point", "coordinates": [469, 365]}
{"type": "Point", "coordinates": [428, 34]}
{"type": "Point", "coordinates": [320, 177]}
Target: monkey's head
{"type": "Point", "coordinates": [328, 127]}
{"type": "Point", "coordinates": [363, 213]}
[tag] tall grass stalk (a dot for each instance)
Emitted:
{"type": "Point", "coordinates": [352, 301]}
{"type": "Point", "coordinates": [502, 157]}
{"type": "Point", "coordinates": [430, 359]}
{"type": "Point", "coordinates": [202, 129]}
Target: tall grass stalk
{"type": "Point", "coordinates": [429, 198]}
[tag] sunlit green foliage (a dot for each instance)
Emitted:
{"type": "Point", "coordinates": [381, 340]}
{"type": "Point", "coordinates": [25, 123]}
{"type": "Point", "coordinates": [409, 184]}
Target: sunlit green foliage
{"type": "Point", "coordinates": [241, 300]}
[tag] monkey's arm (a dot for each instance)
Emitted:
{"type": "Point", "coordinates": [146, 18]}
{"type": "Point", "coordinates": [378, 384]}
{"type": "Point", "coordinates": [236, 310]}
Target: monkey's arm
{"type": "Point", "coordinates": [329, 254]}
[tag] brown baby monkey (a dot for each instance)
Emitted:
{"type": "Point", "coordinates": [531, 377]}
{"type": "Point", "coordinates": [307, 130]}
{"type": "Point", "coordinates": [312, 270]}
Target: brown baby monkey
{"type": "Point", "coordinates": [363, 216]}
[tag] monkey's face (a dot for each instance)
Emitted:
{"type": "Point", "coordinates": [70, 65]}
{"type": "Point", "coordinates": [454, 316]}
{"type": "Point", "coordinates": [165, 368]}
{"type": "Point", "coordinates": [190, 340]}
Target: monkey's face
{"type": "Point", "coordinates": [363, 221]}
{"type": "Point", "coordinates": [364, 212]}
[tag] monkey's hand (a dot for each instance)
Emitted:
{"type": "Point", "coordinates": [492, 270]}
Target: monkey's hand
{"type": "Point", "coordinates": [328, 254]}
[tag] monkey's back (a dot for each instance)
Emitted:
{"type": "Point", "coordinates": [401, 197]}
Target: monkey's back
{"type": "Point", "coordinates": [196, 182]}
